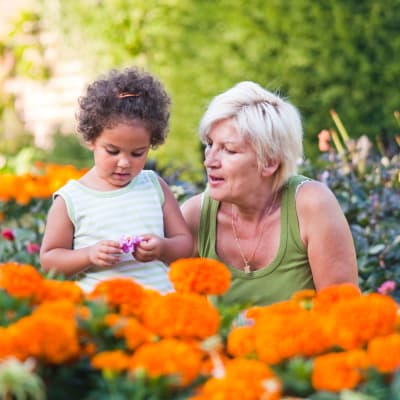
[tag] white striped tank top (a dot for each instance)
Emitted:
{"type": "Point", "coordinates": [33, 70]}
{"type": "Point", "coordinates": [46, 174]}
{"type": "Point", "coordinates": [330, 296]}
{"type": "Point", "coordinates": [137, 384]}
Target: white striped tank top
{"type": "Point", "coordinates": [134, 210]}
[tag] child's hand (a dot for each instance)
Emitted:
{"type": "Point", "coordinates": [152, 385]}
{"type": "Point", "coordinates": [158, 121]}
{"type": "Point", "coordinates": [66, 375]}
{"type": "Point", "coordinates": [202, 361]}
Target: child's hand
{"type": "Point", "coordinates": [149, 248]}
{"type": "Point", "coordinates": [106, 252]}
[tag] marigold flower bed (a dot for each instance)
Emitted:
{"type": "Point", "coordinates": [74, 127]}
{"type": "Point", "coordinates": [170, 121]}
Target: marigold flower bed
{"type": "Point", "coordinates": [128, 341]}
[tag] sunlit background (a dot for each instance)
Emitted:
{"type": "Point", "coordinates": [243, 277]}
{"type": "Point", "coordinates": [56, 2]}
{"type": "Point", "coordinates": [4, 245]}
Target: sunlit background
{"type": "Point", "coordinates": [341, 55]}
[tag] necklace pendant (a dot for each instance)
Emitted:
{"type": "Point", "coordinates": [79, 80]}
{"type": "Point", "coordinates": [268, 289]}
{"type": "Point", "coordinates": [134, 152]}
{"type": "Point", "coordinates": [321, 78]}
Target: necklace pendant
{"type": "Point", "coordinates": [247, 268]}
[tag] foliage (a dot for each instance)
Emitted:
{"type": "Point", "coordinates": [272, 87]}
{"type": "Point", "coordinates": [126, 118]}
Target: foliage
{"type": "Point", "coordinates": [347, 47]}
{"type": "Point", "coordinates": [109, 342]}
{"type": "Point", "coordinates": [67, 149]}
{"type": "Point", "coordinates": [366, 181]}
{"type": "Point", "coordinates": [22, 54]}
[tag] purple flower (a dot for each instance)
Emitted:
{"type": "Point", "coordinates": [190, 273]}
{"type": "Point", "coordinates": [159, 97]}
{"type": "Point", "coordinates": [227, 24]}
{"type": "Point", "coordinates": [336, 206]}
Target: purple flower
{"type": "Point", "coordinates": [129, 243]}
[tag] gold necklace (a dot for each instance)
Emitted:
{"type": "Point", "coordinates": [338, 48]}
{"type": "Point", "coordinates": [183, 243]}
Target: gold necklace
{"type": "Point", "coordinates": [246, 261]}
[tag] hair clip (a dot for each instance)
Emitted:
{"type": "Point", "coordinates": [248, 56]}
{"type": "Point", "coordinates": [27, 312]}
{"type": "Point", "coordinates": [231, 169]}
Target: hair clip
{"type": "Point", "coordinates": [122, 95]}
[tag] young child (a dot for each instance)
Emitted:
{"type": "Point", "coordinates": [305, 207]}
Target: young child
{"type": "Point", "coordinates": [120, 117]}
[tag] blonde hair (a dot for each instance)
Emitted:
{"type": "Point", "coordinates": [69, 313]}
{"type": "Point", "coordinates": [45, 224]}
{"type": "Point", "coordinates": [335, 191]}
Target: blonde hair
{"type": "Point", "coordinates": [271, 124]}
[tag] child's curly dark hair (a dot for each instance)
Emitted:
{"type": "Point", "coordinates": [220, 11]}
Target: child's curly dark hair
{"type": "Point", "coordinates": [124, 96]}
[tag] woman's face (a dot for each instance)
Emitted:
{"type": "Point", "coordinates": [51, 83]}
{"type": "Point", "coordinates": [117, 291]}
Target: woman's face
{"type": "Point", "coordinates": [231, 163]}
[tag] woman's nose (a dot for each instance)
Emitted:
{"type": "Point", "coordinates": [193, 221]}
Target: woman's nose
{"type": "Point", "coordinates": [210, 157]}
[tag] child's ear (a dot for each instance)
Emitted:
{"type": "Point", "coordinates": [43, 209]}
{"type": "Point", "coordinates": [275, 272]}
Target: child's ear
{"type": "Point", "coordinates": [89, 145]}
{"type": "Point", "coordinates": [270, 167]}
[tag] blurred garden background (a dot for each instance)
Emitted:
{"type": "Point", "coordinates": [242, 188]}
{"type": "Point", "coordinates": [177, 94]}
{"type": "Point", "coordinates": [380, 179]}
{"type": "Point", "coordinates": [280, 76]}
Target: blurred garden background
{"type": "Point", "coordinates": [338, 61]}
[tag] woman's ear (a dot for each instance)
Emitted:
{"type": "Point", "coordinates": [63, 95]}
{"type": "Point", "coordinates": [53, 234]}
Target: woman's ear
{"type": "Point", "coordinates": [270, 167]}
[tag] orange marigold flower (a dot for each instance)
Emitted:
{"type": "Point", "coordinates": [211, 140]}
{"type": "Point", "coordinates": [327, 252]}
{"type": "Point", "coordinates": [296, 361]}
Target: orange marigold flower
{"type": "Point", "coordinates": [287, 308]}
{"type": "Point", "coordinates": [83, 312]}
{"type": "Point", "coordinates": [168, 357]}
{"type": "Point", "coordinates": [242, 368]}
{"type": "Point", "coordinates": [244, 379]}
{"type": "Point", "coordinates": [200, 275]}
{"type": "Point", "coordinates": [338, 371]}
{"type": "Point", "coordinates": [52, 339]}
{"type": "Point", "coordinates": [333, 294]}
{"type": "Point", "coordinates": [7, 187]}
{"type": "Point", "coordinates": [185, 315]}
{"type": "Point", "coordinates": [118, 292]}
{"type": "Point", "coordinates": [6, 348]}
{"type": "Point", "coordinates": [46, 180]}
{"type": "Point", "coordinates": [384, 353]}
{"type": "Point", "coordinates": [241, 341]}
{"type": "Point", "coordinates": [138, 310]}
{"type": "Point", "coordinates": [21, 280]}
{"type": "Point", "coordinates": [88, 349]}
{"type": "Point", "coordinates": [116, 322]}
{"type": "Point", "coordinates": [352, 323]}
{"type": "Point", "coordinates": [305, 298]}
{"type": "Point", "coordinates": [116, 360]}
{"type": "Point", "coordinates": [253, 312]}
{"type": "Point", "coordinates": [60, 308]}
{"type": "Point", "coordinates": [133, 331]}
{"type": "Point", "coordinates": [283, 330]}
{"type": "Point", "coordinates": [68, 290]}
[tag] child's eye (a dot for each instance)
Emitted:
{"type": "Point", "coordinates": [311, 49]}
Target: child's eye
{"type": "Point", "coordinates": [112, 152]}
{"type": "Point", "coordinates": [138, 155]}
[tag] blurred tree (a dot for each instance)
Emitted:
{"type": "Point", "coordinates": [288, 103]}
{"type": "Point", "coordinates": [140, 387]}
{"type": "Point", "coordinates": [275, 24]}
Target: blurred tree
{"type": "Point", "coordinates": [340, 54]}
{"type": "Point", "coordinates": [21, 54]}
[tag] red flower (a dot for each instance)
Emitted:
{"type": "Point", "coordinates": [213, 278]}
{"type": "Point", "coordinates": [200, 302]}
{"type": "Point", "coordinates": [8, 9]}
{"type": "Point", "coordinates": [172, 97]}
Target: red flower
{"type": "Point", "coordinates": [32, 248]}
{"type": "Point", "coordinates": [8, 234]}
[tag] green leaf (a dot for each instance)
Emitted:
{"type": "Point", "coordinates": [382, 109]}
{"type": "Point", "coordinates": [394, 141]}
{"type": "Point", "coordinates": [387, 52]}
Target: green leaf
{"type": "Point", "coordinates": [378, 248]}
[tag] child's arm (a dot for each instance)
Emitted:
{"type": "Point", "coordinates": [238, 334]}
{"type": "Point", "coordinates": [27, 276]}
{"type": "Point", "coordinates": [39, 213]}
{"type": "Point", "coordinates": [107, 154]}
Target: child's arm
{"type": "Point", "coordinates": [56, 252]}
{"type": "Point", "coordinates": [178, 242]}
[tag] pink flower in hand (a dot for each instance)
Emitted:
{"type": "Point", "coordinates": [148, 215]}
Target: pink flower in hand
{"type": "Point", "coordinates": [129, 243]}
{"type": "Point", "coordinates": [387, 287]}
{"type": "Point", "coordinates": [8, 234]}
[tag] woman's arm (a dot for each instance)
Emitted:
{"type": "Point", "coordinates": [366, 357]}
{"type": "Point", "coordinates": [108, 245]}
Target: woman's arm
{"type": "Point", "coordinates": [327, 236]}
{"type": "Point", "coordinates": [56, 252]}
{"type": "Point", "coordinates": [178, 242]}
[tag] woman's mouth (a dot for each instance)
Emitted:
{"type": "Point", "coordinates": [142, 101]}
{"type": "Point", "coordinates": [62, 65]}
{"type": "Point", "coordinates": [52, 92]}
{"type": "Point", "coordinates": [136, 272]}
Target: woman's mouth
{"type": "Point", "coordinates": [214, 180]}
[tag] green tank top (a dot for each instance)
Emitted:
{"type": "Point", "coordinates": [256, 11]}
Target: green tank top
{"type": "Point", "coordinates": [288, 273]}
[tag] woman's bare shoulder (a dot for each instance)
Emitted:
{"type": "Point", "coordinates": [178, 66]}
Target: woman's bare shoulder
{"type": "Point", "coordinates": [313, 194]}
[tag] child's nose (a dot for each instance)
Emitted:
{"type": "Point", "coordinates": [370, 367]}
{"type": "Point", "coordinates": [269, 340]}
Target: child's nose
{"type": "Point", "coordinates": [123, 161]}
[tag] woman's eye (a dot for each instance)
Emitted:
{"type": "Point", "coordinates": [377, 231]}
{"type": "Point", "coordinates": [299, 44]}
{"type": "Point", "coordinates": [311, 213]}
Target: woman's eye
{"type": "Point", "coordinates": [230, 151]}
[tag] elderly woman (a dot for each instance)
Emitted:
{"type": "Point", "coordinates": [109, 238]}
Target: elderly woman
{"type": "Point", "coordinates": [278, 232]}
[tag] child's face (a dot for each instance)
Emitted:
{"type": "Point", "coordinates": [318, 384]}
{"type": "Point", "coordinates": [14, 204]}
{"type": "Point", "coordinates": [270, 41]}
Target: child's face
{"type": "Point", "coordinates": [120, 153]}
